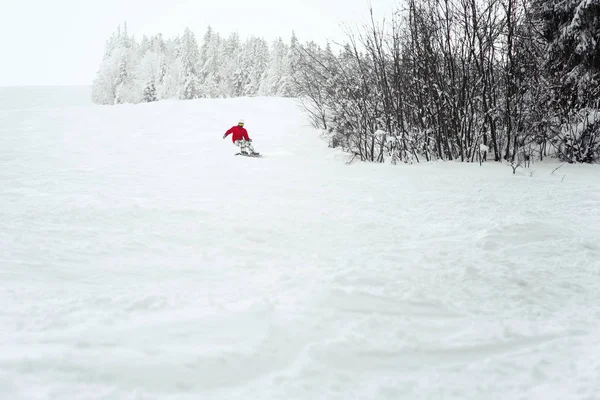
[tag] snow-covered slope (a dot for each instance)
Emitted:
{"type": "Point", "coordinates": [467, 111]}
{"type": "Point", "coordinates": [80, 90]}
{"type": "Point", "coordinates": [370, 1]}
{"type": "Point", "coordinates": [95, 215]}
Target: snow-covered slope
{"type": "Point", "coordinates": [139, 259]}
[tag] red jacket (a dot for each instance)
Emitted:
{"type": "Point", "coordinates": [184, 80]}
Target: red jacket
{"type": "Point", "coordinates": [238, 133]}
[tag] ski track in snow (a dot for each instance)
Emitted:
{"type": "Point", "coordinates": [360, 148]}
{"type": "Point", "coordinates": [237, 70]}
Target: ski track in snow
{"type": "Point", "coordinates": [139, 259]}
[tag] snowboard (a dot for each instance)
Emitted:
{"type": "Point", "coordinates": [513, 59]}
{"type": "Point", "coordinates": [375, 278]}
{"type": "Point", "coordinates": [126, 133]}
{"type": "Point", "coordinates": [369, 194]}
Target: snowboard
{"type": "Point", "coordinates": [255, 155]}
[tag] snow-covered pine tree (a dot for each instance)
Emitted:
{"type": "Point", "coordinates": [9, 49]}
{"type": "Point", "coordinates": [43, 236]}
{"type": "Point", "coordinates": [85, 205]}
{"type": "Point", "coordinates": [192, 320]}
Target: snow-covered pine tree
{"type": "Point", "coordinates": [190, 58]}
{"type": "Point", "coordinates": [572, 31]}
{"type": "Point", "coordinates": [162, 69]}
{"type": "Point", "coordinates": [144, 46]}
{"type": "Point", "coordinates": [125, 90]}
{"type": "Point", "coordinates": [256, 57]}
{"type": "Point", "coordinates": [150, 93]}
{"type": "Point", "coordinates": [210, 62]}
{"type": "Point", "coordinates": [104, 86]}
{"type": "Point", "coordinates": [150, 69]}
{"type": "Point", "coordinates": [290, 68]}
{"type": "Point", "coordinates": [103, 91]}
{"type": "Point", "coordinates": [121, 80]}
{"type": "Point", "coordinates": [230, 68]}
{"type": "Point", "coordinates": [170, 70]}
{"type": "Point", "coordinates": [271, 80]}
{"type": "Point", "coordinates": [158, 47]}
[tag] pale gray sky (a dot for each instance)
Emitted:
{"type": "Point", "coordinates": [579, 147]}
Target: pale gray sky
{"type": "Point", "coordinates": [61, 42]}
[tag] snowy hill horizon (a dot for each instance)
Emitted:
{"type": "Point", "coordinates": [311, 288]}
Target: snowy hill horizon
{"type": "Point", "coordinates": [44, 97]}
{"type": "Point", "coordinates": [141, 259]}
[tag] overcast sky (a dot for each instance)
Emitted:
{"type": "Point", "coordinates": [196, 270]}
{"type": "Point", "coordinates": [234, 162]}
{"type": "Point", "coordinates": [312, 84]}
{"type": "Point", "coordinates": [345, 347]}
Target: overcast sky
{"type": "Point", "coordinates": [61, 42]}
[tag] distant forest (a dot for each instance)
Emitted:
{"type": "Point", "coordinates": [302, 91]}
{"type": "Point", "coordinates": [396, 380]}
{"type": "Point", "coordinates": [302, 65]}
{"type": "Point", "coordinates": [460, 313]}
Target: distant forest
{"type": "Point", "coordinates": [155, 68]}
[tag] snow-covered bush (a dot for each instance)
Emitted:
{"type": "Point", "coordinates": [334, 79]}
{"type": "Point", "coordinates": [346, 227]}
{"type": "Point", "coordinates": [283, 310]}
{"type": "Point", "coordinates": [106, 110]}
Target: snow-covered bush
{"type": "Point", "coordinates": [579, 141]}
{"type": "Point", "coordinates": [444, 76]}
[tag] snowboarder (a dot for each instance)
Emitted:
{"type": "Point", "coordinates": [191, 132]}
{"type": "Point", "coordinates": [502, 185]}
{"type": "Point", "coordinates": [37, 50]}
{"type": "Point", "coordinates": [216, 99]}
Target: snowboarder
{"type": "Point", "coordinates": [239, 136]}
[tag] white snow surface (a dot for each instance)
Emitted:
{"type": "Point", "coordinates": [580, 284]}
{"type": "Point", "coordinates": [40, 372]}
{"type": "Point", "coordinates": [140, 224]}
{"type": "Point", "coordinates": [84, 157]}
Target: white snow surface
{"type": "Point", "coordinates": [43, 98]}
{"type": "Point", "coordinates": [139, 259]}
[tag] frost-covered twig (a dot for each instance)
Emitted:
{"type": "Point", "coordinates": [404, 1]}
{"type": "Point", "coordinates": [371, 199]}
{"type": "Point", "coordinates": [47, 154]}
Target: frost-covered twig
{"type": "Point", "coordinates": [350, 161]}
{"type": "Point", "coordinates": [557, 168]}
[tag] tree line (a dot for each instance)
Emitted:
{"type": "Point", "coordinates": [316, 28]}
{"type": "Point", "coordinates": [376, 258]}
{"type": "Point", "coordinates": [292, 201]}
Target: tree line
{"type": "Point", "coordinates": [155, 68]}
